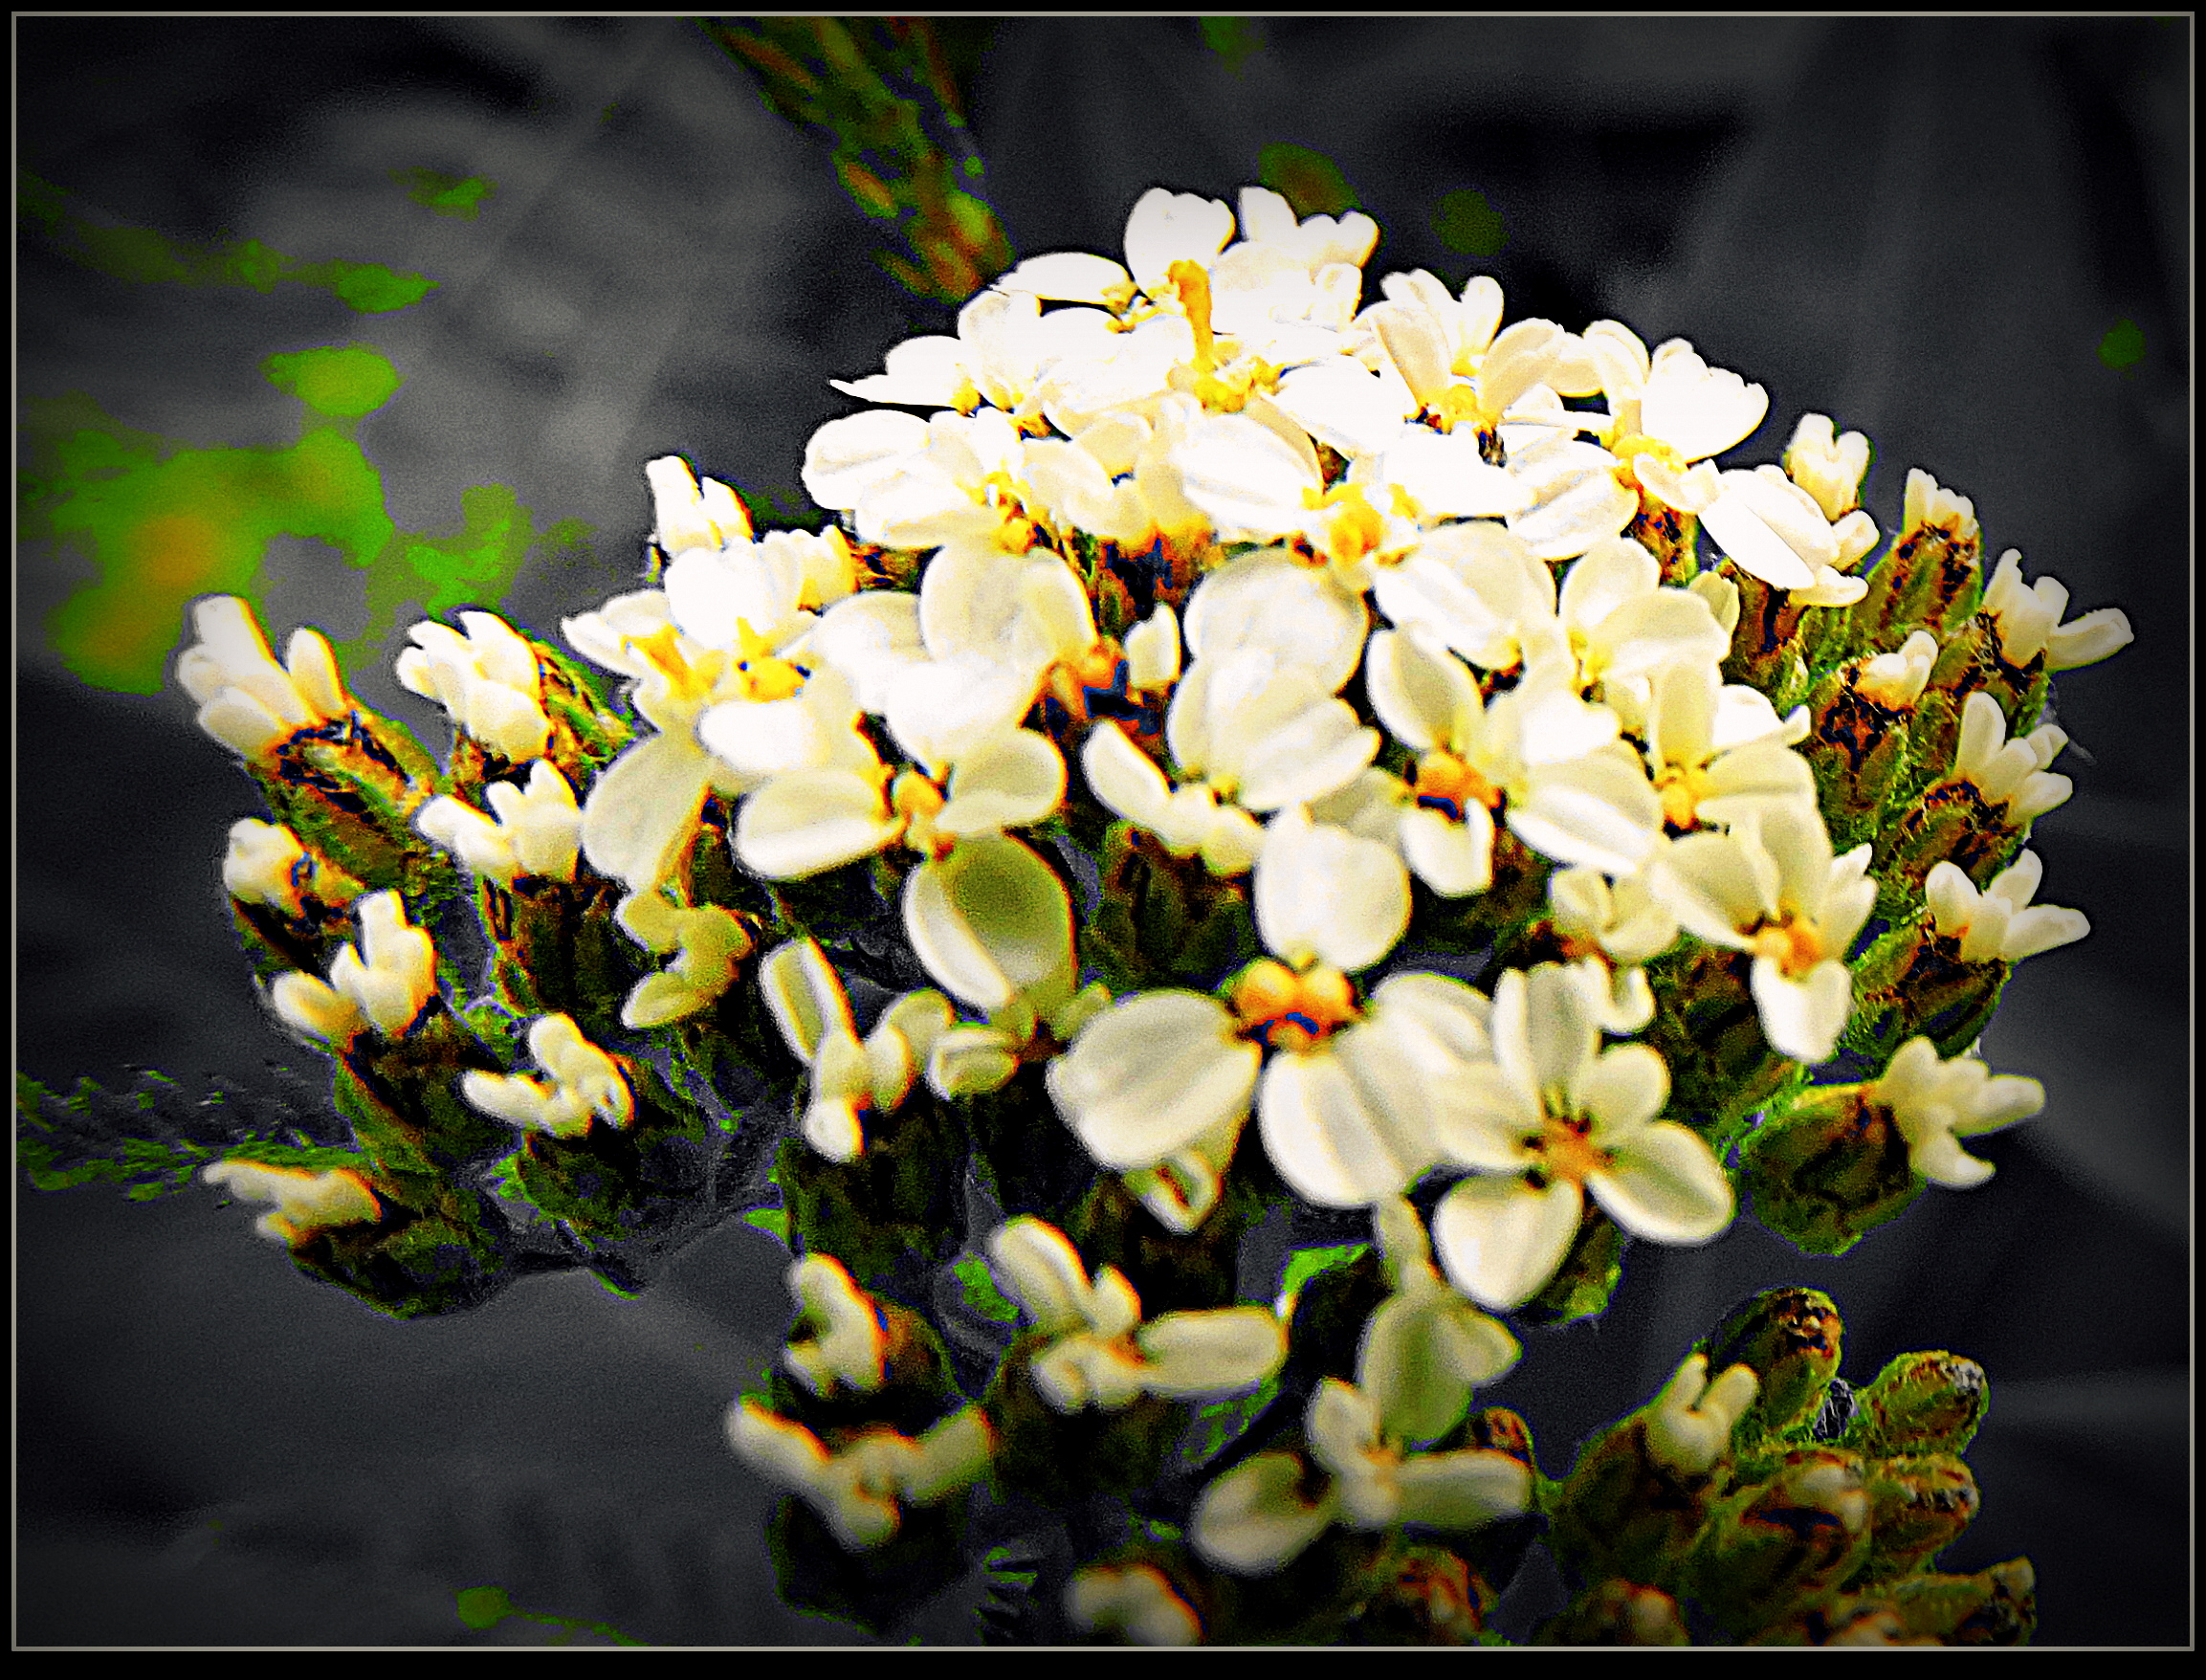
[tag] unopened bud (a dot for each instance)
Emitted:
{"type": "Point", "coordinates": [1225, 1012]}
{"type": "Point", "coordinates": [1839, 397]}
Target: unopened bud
{"type": "Point", "coordinates": [1789, 1338]}
{"type": "Point", "coordinates": [1828, 1169]}
{"type": "Point", "coordinates": [1919, 1403]}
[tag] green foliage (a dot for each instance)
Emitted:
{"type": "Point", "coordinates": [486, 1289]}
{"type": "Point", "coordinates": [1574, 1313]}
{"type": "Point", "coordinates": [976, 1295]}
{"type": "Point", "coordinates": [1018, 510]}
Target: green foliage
{"type": "Point", "coordinates": [2124, 345]}
{"type": "Point", "coordinates": [154, 1139]}
{"type": "Point", "coordinates": [890, 95]}
{"type": "Point", "coordinates": [1309, 181]}
{"type": "Point", "coordinates": [446, 195]}
{"type": "Point", "coordinates": [1463, 221]}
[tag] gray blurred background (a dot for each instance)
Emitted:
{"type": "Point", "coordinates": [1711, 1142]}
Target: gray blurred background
{"type": "Point", "coordinates": [1925, 229]}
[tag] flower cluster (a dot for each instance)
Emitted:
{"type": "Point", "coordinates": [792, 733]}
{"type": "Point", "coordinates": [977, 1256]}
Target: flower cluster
{"type": "Point", "coordinates": [1218, 698]}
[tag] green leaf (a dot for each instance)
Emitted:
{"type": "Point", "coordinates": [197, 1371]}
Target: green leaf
{"type": "Point", "coordinates": [773, 1221]}
{"type": "Point", "coordinates": [981, 1291]}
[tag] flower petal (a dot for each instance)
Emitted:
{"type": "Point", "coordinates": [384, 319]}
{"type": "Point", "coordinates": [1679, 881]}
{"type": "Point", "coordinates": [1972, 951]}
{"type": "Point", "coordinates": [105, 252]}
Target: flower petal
{"type": "Point", "coordinates": [1666, 1186]}
{"type": "Point", "coordinates": [1500, 1239]}
{"type": "Point", "coordinates": [1151, 1074]}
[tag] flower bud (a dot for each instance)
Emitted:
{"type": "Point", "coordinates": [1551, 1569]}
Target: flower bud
{"type": "Point", "coordinates": [1618, 1612]}
{"type": "Point", "coordinates": [1995, 1607]}
{"type": "Point", "coordinates": [1931, 576]}
{"type": "Point", "coordinates": [1773, 1551]}
{"type": "Point", "coordinates": [1789, 1338]}
{"type": "Point", "coordinates": [1918, 1507]}
{"type": "Point", "coordinates": [1827, 1169]}
{"type": "Point", "coordinates": [1921, 1403]}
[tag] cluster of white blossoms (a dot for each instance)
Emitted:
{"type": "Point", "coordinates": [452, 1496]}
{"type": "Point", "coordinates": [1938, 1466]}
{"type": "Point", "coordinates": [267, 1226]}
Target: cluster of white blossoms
{"type": "Point", "coordinates": [1335, 609]}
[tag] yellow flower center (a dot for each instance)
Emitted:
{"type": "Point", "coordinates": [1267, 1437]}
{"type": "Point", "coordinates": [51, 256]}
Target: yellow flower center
{"type": "Point", "coordinates": [1567, 1151]}
{"type": "Point", "coordinates": [1451, 785]}
{"type": "Point", "coordinates": [1016, 535]}
{"type": "Point", "coordinates": [1291, 1012]}
{"type": "Point", "coordinates": [918, 802]}
{"type": "Point", "coordinates": [1795, 944]}
{"type": "Point", "coordinates": [1681, 787]}
{"type": "Point", "coordinates": [688, 681]}
{"type": "Point", "coordinates": [1353, 527]}
{"type": "Point", "coordinates": [762, 674]}
{"type": "Point", "coordinates": [1457, 406]}
{"type": "Point", "coordinates": [1638, 443]}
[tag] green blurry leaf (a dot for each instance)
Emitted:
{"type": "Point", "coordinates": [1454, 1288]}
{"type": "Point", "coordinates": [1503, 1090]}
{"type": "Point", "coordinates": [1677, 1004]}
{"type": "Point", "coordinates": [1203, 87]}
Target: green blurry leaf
{"type": "Point", "coordinates": [2124, 345]}
{"type": "Point", "coordinates": [1232, 39]}
{"type": "Point", "coordinates": [1466, 222]}
{"type": "Point", "coordinates": [1309, 181]}
{"type": "Point", "coordinates": [981, 1291]}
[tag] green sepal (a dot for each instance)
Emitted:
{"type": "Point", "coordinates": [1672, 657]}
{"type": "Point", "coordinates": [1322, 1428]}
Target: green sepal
{"type": "Point", "coordinates": [1995, 1607]}
{"type": "Point", "coordinates": [1780, 1548]}
{"type": "Point", "coordinates": [349, 789]}
{"type": "Point", "coordinates": [1171, 1272]}
{"type": "Point", "coordinates": [870, 1589]}
{"type": "Point", "coordinates": [1791, 1338]}
{"type": "Point", "coordinates": [1164, 921]}
{"type": "Point", "coordinates": [1766, 641]}
{"type": "Point", "coordinates": [1949, 823]}
{"type": "Point", "coordinates": [1709, 1033]}
{"type": "Point", "coordinates": [893, 1213]}
{"type": "Point", "coordinates": [1434, 1598]}
{"type": "Point", "coordinates": [1325, 1329]}
{"type": "Point", "coordinates": [1858, 750]}
{"type": "Point", "coordinates": [1920, 1403]}
{"type": "Point", "coordinates": [1910, 982]}
{"type": "Point", "coordinates": [1670, 534]}
{"type": "Point", "coordinates": [1827, 1169]}
{"type": "Point", "coordinates": [1620, 1514]}
{"type": "Point", "coordinates": [559, 951]}
{"type": "Point", "coordinates": [446, 1255]}
{"type": "Point", "coordinates": [1313, 1599]}
{"type": "Point", "coordinates": [623, 1183]}
{"type": "Point", "coordinates": [1918, 1506]}
{"type": "Point", "coordinates": [1931, 579]}
{"type": "Point", "coordinates": [402, 1098]}
{"type": "Point", "coordinates": [1064, 1459]}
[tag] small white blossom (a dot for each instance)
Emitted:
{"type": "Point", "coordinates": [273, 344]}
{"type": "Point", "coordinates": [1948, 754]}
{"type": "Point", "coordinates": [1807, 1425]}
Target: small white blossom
{"type": "Point", "coordinates": [849, 1347]}
{"type": "Point", "coordinates": [2000, 924]}
{"type": "Point", "coordinates": [1689, 1425]}
{"type": "Point", "coordinates": [850, 1079]}
{"type": "Point", "coordinates": [580, 1083]}
{"type": "Point", "coordinates": [708, 940]}
{"type": "Point", "coordinates": [247, 700]}
{"type": "Point", "coordinates": [1928, 503]}
{"type": "Point", "coordinates": [265, 864]}
{"type": "Point", "coordinates": [384, 983]}
{"type": "Point", "coordinates": [1936, 1104]}
{"type": "Point", "coordinates": [305, 1202]}
{"type": "Point", "coordinates": [859, 1490]}
{"type": "Point", "coordinates": [1100, 1353]}
{"type": "Point", "coordinates": [1135, 1602]}
{"type": "Point", "coordinates": [2010, 774]}
{"type": "Point", "coordinates": [487, 680]}
{"type": "Point", "coordinates": [2028, 619]}
{"type": "Point", "coordinates": [1828, 467]}
{"type": "Point", "coordinates": [1897, 680]}
{"type": "Point", "coordinates": [538, 831]}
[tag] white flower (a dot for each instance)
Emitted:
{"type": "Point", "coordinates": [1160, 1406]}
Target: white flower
{"type": "Point", "coordinates": [1926, 503]}
{"type": "Point", "coordinates": [859, 1490]}
{"type": "Point", "coordinates": [1262, 732]}
{"type": "Point", "coordinates": [305, 1202]}
{"type": "Point", "coordinates": [1715, 749]}
{"type": "Point", "coordinates": [247, 700]}
{"type": "Point", "coordinates": [1430, 342]}
{"type": "Point", "coordinates": [1546, 759]}
{"type": "Point", "coordinates": [1422, 1354]}
{"type": "Point", "coordinates": [1187, 821]}
{"type": "Point", "coordinates": [1474, 587]}
{"type": "Point", "coordinates": [689, 513]}
{"type": "Point", "coordinates": [1135, 1601]}
{"type": "Point", "coordinates": [1100, 1354]}
{"type": "Point", "coordinates": [1689, 1425]}
{"type": "Point", "coordinates": [708, 940]}
{"type": "Point", "coordinates": [849, 1079]}
{"type": "Point", "coordinates": [1670, 410]}
{"type": "Point", "coordinates": [1548, 1121]}
{"type": "Point", "coordinates": [1617, 624]}
{"type": "Point", "coordinates": [2000, 924]}
{"type": "Point", "coordinates": [2010, 774]}
{"type": "Point", "coordinates": [848, 1348]}
{"type": "Point", "coordinates": [1616, 929]}
{"type": "Point", "coordinates": [583, 1084]}
{"type": "Point", "coordinates": [1936, 1104]}
{"type": "Point", "coordinates": [387, 990]}
{"type": "Point", "coordinates": [2028, 619]}
{"type": "Point", "coordinates": [808, 821]}
{"type": "Point", "coordinates": [1294, 612]}
{"type": "Point", "coordinates": [1775, 531]}
{"type": "Point", "coordinates": [1828, 467]}
{"type": "Point", "coordinates": [488, 680]}
{"type": "Point", "coordinates": [1771, 885]}
{"type": "Point", "coordinates": [1897, 680]}
{"type": "Point", "coordinates": [538, 831]}
{"type": "Point", "coordinates": [1005, 344]}
{"type": "Point", "coordinates": [265, 864]}
{"type": "Point", "coordinates": [1577, 500]}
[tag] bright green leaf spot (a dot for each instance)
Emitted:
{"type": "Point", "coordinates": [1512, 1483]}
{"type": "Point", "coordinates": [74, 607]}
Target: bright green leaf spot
{"type": "Point", "coordinates": [2123, 346]}
{"type": "Point", "coordinates": [344, 382]}
{"type": "Point", "coordinates": [448, 195]}
{"type": "Point", "coordinates": [1305, 1264]}
{"type": "Point", "coordinates": [1309, 181]}
{"type": "Point", "coordinates": [484, 1606]}
{"type": "Point", "coordinates": [1232, 39]}
{"type": "Point", "coordinates": [981, 1291]}
{"type": "Point", "coordinates": [773, 1221]}
{"type": "Point", "coordinates": [1466, 222]}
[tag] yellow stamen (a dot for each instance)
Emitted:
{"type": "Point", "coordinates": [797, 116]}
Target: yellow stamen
{"type": "Point", "coordinates": [1638, 443]}
{"type": "Point", "coordinates": [1442, 775]}
{"type": "Point", "coordinates": [765, 676]}
{"type": "Point", "coordinates": [1796, 945]}
{"type": "Point", "coordinates": [1681, 787]}
{"type": "Point", "coordinates": [1456, 405]}
{"type": "Point", "coordinates": [1566, 1151]}
{"type": "Point", "coordinates": [1192, 281]}
{"type": "Point", "coordinates": [1356, 528]}
{"type": "Point", "coordinates": [1292, 1010]}
{"type": "Point", "coordinates": [918, 802]}
{"type": "Point", "coordinates": [687, 680]}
